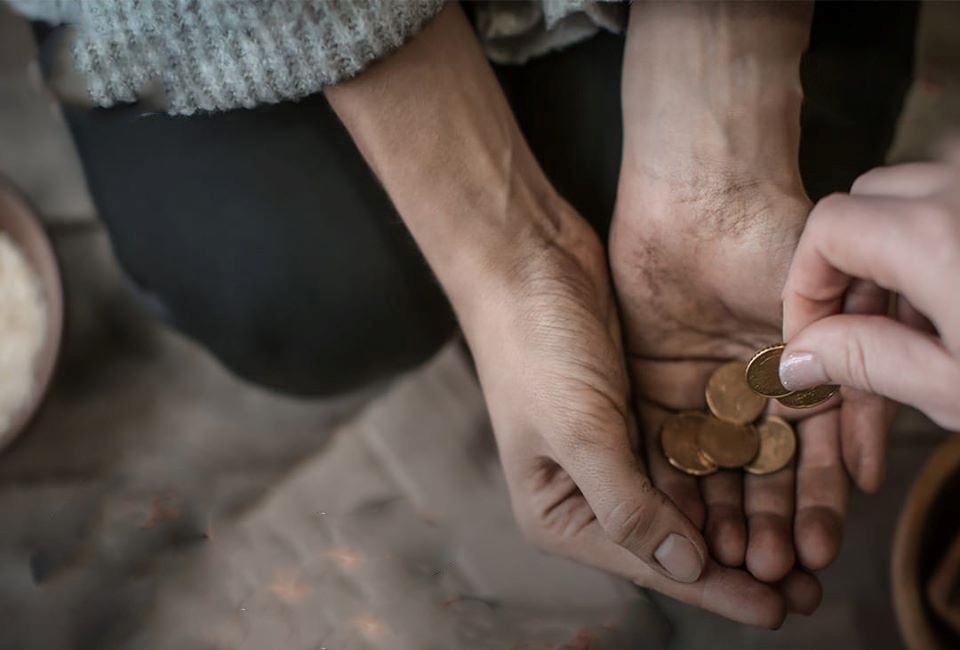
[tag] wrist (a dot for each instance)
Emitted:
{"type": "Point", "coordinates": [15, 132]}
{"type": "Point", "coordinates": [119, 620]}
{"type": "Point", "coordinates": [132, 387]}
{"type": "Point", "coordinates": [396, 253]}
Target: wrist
{"type": "Point", "coordinates": [712, 94]}
{"type": "Point", "coordinates": [434, 126]}
{"type": "Point", "coordinates": [716, 38]}
{"type": "Point", "coordinates": [506, 250]}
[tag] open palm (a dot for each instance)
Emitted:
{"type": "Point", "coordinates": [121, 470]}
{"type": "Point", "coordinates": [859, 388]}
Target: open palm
{"type": "Point", "coordinates": [699, 284]}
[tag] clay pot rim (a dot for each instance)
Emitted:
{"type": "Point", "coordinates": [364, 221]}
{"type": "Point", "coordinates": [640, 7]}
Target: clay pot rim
{"type": "Point", "coordinates": [908, 593]}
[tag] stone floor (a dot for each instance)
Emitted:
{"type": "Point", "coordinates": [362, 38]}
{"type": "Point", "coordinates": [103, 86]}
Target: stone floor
{"type": "Point", "coordinates": [158, 502]}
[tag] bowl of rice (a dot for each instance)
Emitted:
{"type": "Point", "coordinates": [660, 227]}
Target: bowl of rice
{"type": "Point", "coordinates": [31, 313]}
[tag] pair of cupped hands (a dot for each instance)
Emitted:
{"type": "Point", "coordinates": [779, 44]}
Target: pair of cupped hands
{"type": "Point", "coordinates": [583, 349]}
{"type": "Point", "coordinates": [592, 347]}
{"type": "Point", "coordinates": [594, 367]}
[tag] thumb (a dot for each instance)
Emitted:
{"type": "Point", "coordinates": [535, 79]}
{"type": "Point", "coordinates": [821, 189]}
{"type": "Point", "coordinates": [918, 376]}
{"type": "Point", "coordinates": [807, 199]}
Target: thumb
{"type": "Point", "coordinates": [874, 354]}
{"type": "Point", "coordinates": [632, 512]}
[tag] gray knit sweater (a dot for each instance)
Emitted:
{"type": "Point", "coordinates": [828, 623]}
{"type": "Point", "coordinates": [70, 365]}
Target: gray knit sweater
{"type": "Point", "coordinates": [214, 55]}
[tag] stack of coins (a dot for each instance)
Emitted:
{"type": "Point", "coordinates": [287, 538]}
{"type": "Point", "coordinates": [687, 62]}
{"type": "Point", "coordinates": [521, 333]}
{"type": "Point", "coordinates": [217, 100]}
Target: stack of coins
{"type": "Point", "coordinates": [735, 434]}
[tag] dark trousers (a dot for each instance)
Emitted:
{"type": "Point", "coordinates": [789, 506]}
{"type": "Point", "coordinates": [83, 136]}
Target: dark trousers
{"type": "Point", "coordinates": [263, 235]}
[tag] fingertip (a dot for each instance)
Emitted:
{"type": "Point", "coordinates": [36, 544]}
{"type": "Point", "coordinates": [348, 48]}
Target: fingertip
{"type": "Point", "coordinates": [770, 554]}
{"type": "Point", "coordinates": [816, 597]}
{"type": "Point", "coordinates": [866, 470]}
{"type": "Point", "coordinates": [735, 594]}
{"type": "Point", "coordinates": [769, 569]}
{"type": "Point", "coordinates": [681, 558]}
{"type": "Point", "coordinates": [802, 591]}
{"type": "Point", "coordinates": [776, 618]}
{"type": "Point", "coordinates": [800, 370]}
{"type": "Point", "coordinates": [818, 536]}
{"type": "Point", "coordinates": [870, 480]}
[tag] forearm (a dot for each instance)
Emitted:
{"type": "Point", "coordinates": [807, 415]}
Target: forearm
{"type": "Point", "coordinates": [432, 122]}
{"type": "Point", "coordinates": [718, 81]}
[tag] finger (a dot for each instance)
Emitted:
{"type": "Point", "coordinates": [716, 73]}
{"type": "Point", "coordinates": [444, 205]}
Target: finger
{"type": "Point", "coordinates": [878, 355]}
{"type": "Point", "coordinates": [681, 489]}
{"type": "Point", "coordinates": [822, 491]}
{"type": "Point", "coordinates": [908, 180]}
{"type": "Point", "coordinates": [728, 592]}
{"type": "Point", "coordinates": [663, 387]}
{"type": "Point", "coordinates": [802, 591]}
{"type": "Point", "coordinates": [769, 507]}
{"type": "Point", "coordinates": [863, 416]}
{"type": "Point", "coordinates": [886, 241]}
{"type": "Point", "coordinates": [718, 499]}
{"type": "Point", "coordinates": [864, 421]}
{"type": "Point", "coordinates": [631, 511]}
{"type": "Point", "coordinates": [732, 593]}
{"type": "Point", "coordinates": [726, 529]}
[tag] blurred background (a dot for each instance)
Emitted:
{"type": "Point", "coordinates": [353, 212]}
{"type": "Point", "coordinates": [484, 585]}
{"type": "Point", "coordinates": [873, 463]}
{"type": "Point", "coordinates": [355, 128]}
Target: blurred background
{"type": "Point", "coordinates": [159, 502]}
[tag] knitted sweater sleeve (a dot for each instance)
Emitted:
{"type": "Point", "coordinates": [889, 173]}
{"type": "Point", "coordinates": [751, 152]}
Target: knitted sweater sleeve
{"type": "Point", "coordinates": [212, 55]}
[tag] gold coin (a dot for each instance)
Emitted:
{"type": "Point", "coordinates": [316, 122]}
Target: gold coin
{"type": "Point", "coordinates": [778, 444]}
{"type": "Point", "coordinates": [730, 398]}
{"type": "Point", "coordinates": [727, 445]}
{"type": "Point", "coordinates": [678, 438]}
{"type": "Point", "coordinates": [804, 399]}
{"type": "Point", "coordinates": [763, 372]}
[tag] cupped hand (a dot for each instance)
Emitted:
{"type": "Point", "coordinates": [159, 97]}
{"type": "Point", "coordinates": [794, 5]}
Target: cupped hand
{"type": "Point", "coordinates": [899, 227]}
{"type": "Point", "coordinates": [698, 281]}
{"type": "Point", "coordinates": [709, 210]}
{"type": "Point", "coordinates": [548, 349]}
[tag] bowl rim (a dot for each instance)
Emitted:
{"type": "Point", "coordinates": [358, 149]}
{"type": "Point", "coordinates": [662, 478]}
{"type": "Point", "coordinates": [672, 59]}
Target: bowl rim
{"type": "Point", "coordinates": [40, 254]}
{"type": "Point", "coordinates": [908, 594]}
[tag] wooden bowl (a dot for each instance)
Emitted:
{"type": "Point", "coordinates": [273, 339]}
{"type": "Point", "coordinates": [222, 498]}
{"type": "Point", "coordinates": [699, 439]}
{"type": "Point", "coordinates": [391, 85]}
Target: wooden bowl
{"type": "Point", "coordinates": [928, 524]}
{"type": "Point", "coordinates": [19, 222]}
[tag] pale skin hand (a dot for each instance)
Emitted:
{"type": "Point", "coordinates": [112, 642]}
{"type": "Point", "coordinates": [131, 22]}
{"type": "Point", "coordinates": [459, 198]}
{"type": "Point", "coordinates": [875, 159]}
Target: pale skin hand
{"type": "Point", "coordinates": [709, 211]}
{"type": "Point", "coordinates": [527, 278]}
{"type": "Point", "coordinates": [899, 227]}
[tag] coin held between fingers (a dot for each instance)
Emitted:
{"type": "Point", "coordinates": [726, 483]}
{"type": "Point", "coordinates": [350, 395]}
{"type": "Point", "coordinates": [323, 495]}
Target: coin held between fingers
{"type": "Point", "coordinates": [763, 372]}
{"type": "Point", "coordinates": [805, 399]}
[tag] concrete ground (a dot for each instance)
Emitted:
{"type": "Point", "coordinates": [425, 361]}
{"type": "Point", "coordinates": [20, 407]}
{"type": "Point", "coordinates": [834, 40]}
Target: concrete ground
{"type": "Point", "coordinates": [158, 502]}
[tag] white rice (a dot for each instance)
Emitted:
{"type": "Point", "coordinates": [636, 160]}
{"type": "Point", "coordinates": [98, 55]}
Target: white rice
{"type": "Point", "coordinates": [23, 324]}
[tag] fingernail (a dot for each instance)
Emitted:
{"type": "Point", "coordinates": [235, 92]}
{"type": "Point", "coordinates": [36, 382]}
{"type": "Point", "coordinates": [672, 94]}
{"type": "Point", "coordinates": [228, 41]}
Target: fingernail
{"type": "Point", "coordinates": [801, 370]}
{"type": "Point", "coordinates": [680, 558]}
